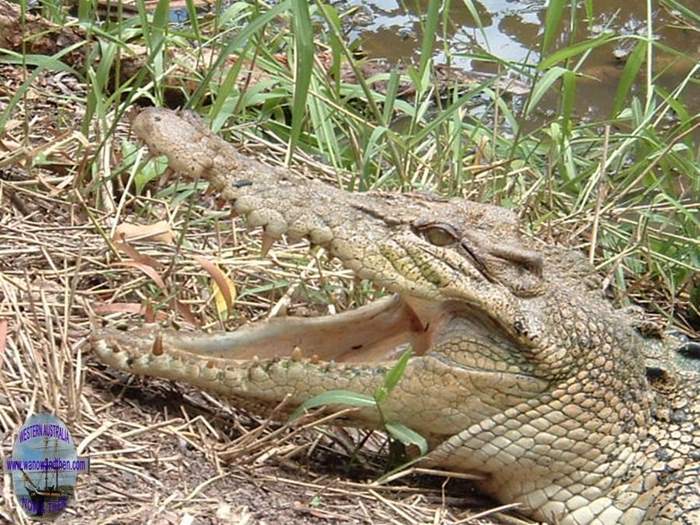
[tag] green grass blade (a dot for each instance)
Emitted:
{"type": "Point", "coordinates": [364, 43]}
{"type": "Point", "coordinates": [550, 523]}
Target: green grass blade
{"type": "Point", "coordinates": [161, 17]}
{"type": "Point", "coordinates": [629, 75]}
{"type": "Point", "coordinates": [49, 63]}
{"type": "Point", "coordinates": [334, 397]}
{"type": "Point", "coordinates": [304, 57]}
{"type": "Point", "coordinates": [588, 6]}
{"type": "Point", "coordinates": [396, 373]}
{"type": "Point", "coordinates": [681, 111]}
{"type": "Point", "coordinates": [393, 377]}
{"type": "Point", "coordinates": [428, 41]}
{"type": "Point", "coordinates": [322, 121]}
{"type": "Point", "coordinates": [237, 42]}
{"type": "Point", "coordinates": [85, 11]}
{"type": "Point", "coordinates": [17, 96]}
{"type": "Point", "coordinates": [568, 101]}
{"type": "Point", "coordinates": [372, 149]}
{"type": "Point", "coordinates": [474, 12]}
{"type": "Point", "coordinates": [552, 21]}
{"type": "Point", "coordinates": [331, 15]}
{"type": "Point", "coordinates": [392, 88]}
{"type": "Point", "coordinates": [542, 86]}
{"type": "Point", "coordinates": [154, 35]}
{"type": "Point", "coordinates": [193, 20]}
{"type": "Point", "coordinates": [688, 12]}
{"type": "Point", "coordinates": [576, 49]}
{"type": "Point", "coordinates": [407, 436]}
{"type": "Point", "coordinates": [217, 115]}
{"type": "Point", "coordinates": [443, 116]}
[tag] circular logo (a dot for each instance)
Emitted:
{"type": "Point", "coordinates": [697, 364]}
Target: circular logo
{"type": "Point", "coordinates": [44, 467]}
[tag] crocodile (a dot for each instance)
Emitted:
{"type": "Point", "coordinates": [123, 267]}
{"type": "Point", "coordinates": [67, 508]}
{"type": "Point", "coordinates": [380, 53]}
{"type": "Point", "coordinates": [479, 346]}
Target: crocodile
{"type": "Point", "coordinates": [522, 371]}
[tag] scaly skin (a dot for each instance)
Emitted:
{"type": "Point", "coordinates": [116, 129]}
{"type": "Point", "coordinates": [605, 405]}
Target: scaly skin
{"type": "Point", "coordinates": [522, 372]}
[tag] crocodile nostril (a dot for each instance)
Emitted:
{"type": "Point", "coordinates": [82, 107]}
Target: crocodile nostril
{"type": "Point", "coordinates": [656, 373]}
{"type": "Point", "coordinates": [660, 376]}
{"type": "Point", "coordinates": [690, 349]}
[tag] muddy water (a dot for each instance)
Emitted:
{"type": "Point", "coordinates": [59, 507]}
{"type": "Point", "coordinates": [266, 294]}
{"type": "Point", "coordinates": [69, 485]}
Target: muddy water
{"type": "Point", "coordinates": [512, 30]}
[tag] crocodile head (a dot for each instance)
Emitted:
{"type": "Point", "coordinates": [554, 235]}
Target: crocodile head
{"type": "Point", "coordinates": [444, 257]}
{"type": "Point", "coordinates": [520, 371]}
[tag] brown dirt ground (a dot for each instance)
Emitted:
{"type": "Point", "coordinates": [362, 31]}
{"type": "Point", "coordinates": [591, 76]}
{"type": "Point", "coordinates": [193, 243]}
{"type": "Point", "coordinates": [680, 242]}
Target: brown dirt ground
{"type": "Point", "coordinates": [161, 452]}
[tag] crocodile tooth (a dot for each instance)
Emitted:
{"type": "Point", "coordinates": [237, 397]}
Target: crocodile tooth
{"type": "Point", "coordinates": [157, 348]}
{"type": "Point", "coordinates": [149, 314]}
{"type": "Point", "coordinates": [267, 242]}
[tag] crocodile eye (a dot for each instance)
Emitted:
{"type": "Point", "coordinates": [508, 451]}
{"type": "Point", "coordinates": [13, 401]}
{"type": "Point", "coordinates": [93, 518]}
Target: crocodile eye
{"type": "Point", "coordinates": [438, 235]}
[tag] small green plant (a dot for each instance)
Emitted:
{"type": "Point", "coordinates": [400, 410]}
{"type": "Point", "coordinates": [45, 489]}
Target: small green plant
{"type": "Point", "coordinates": [396, 430]}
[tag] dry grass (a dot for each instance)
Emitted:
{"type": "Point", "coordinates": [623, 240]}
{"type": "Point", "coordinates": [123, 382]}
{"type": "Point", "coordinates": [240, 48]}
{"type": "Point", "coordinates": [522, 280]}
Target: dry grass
{"type": "Point", "coordinates": [164, 453]}
{"type": "Point", "coordinates": [161, 452]}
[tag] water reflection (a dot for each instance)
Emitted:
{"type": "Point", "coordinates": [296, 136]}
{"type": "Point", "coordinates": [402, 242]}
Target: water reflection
{"type": "Point", "coordinates": [511, 30]}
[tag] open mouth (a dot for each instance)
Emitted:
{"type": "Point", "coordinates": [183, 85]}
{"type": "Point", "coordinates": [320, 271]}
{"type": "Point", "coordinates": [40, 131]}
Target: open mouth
{"type": "Point", "coordinates": [455, 266]}
{"type": "Point", "coordinates": [379, 331]}
{"type": "Point", "coordinates": [459, 356]}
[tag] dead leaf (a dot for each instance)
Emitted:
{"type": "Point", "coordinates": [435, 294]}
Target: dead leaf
{"type": "Point", "coordinates": [159, 231]}
{"type": "Point", "coordinates": [180, 307]}
{"type": "Point", "coordinates": [148, 270]}
{"type": "Point", "coordinates": [223, 288]}
{"type": "Point", "coordinates": [139, 258]}
{"type": "Point", "coordinates": [186, 313]}
{"type": "Point", "coordinates": [129, 308]}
